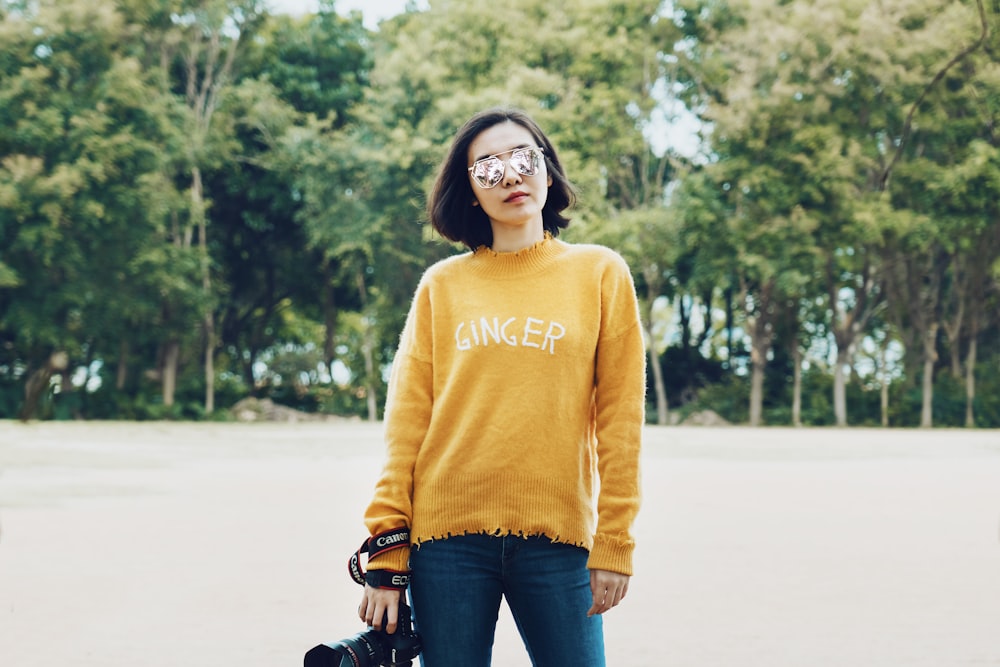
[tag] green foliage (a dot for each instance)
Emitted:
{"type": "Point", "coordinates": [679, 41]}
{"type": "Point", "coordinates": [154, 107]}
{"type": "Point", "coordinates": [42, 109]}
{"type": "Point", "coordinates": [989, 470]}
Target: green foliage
{"type": "Point", "coordinates": [949, 403]}
{"type": "Point", "coordinates": [845, 191]}
{"type": "Point", "coordinates": [318, 64]}
{"type": "Point", "coordinates": [987, 410]}
{"type": "Point", "coordinates": [11, 393]}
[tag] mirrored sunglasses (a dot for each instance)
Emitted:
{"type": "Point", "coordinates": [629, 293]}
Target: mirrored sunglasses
{"type": "Point", "coordinates": [490, 170]}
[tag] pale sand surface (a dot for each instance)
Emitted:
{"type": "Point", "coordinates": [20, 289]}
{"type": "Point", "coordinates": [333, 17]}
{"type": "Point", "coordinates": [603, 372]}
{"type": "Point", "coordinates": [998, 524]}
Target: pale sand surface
{"type": "Point", "coordinates": [161, 545]}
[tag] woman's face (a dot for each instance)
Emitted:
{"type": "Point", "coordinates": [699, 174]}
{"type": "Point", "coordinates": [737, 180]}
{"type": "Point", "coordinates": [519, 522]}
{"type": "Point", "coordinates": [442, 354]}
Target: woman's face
{"type": "Point", "coordinates": [519, 195]}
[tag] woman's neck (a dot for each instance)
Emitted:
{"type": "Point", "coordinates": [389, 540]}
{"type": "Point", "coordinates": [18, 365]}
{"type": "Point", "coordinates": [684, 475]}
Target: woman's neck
{"type": "Point", "coordinates": [512, 239]}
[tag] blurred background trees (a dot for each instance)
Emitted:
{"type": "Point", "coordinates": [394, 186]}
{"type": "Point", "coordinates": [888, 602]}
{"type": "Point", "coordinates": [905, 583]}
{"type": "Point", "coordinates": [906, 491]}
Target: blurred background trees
{"type": "Point", "coordinates": [201, 200]}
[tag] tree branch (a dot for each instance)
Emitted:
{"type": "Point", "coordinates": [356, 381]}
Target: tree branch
{"type": "Point", "coordinates": [984, 33]}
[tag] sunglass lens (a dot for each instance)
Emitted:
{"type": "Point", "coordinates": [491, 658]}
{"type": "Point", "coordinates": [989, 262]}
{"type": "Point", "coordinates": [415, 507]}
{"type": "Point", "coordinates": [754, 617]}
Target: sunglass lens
{"type": "Point", "coordinates": [526, 161]}
{"type": "Point", "coordinates": [488, 172]}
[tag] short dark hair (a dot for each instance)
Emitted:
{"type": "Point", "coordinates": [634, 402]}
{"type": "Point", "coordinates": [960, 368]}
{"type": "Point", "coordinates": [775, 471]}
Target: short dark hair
{"type": "Point", "coordinates": [450, 208]}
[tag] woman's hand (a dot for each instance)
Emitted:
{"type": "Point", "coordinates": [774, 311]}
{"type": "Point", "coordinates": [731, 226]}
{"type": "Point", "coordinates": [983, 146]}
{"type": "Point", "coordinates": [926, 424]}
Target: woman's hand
{"type": "Point", "coordinates": [376, 602]}
{"type": "Point", "coordinates": [608, 589]}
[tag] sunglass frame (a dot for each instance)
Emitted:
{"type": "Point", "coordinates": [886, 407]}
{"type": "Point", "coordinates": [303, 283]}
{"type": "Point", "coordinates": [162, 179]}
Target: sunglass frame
{"type": "Point", "coordinates": [533, 160]}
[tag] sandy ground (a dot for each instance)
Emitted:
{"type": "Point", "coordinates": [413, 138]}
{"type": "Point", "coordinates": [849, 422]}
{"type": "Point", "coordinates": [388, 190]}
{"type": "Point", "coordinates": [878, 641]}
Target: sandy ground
{"type": "Point", "coordinates": [225, 545]}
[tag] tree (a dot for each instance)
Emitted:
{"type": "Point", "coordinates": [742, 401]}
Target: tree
{"type": "Point", "coordinates": [203, 40]}
{"type": "Point", "coordinates": [842, 209]}
{"type": "Point", "coordinates": [80, 186]}
{"type": "Point", "coordinates": [300, 82]}
{"type": "Point", "coordinates": [922, 262]}
{"type": "Point", "coordinates": [589, 72]}
{"type": "Point", "coordinates": [842, 99]}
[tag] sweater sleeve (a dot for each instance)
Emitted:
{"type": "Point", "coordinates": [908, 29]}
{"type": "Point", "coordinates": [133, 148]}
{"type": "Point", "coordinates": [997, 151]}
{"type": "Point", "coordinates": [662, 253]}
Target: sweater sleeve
{"type": "Point", "coordinates": [620, 389]}
{"type": "Point", "coordinates": [407, 415]}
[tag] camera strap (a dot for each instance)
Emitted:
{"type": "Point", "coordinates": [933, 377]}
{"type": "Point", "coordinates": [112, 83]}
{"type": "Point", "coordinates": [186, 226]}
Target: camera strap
{"type": "Point", "coordinates": [377, 545]}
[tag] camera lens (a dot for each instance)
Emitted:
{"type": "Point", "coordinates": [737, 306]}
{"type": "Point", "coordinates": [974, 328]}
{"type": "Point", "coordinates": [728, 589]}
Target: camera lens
{"type": "Point", "coordinates": [361, 650]}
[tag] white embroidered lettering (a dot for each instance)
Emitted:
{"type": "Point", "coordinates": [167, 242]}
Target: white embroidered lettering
{"type": "Point", "coordinates": [488, 333]}
{"type": "Point", "coordinates": [463, 343]}
{"type": "Point", "coordinates": [552, 336]}
{"type": "Point", "coordinates": [529, 331]}
{"type": "Point", "coordinates": [510, 340]}
{"type": "Point", "coordinates": [533, 334]}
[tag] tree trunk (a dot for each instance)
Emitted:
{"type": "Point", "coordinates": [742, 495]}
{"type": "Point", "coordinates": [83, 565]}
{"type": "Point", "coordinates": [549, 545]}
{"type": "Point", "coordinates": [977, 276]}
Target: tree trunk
{"type": "Point", "coordinates": [761, 333]}
{"type": "Point", "coordinates": [884, 400]}
{"type": "Point", "coordinates": [930, 357]}
{"type": "Point", "coordinates": [168, 376]}
{"type": "Point", "coordinates": [927, 408]}
{"type": "Point", "coordinates": [34, 387]}
{"type": "Point", "coordinates": [883, 371]}
{"type": "Point", "coordinates": [970, 384]}
{"type": "Point", "coordinates": [208, 319]}
{"type": "Point", "coordinates": [797, 388]}
{"type": "Point", "coordinates": [848, 322]}
{"type": "Point", "coordinates": [840, 388]}
{"type": "Point", "coordinates": [367, 349]}
{"type": "Point", "coordinates": [758, 362]}
{"type": "Point", "coordinates": [329, 306]}
{"type": "Point", "coordinates": [246, 369]}
{"type": "Point", "coordinates": [38, 382]}
{"type": "Point", "coordinates": [662, 408]}
{"type": "Point", "coordinates": [956, 360]}
{"type": "Point", "coordinates": [209, 325]}
{"type": "Point", "coordinates": [121, 373]}
{"type": "Point", "coordinates": [370, 388]}
{"type": "Point", "coordinates": [653, 289]}
{"type": "Point", "coordinates": [953, 328]}
{"type": "Point", "coordinates": [730, 325]}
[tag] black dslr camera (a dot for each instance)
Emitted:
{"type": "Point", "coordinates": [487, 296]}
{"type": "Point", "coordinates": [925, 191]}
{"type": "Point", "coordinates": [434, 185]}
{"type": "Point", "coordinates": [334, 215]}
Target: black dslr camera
{"type": "Point", "coordinates": [372, 648]}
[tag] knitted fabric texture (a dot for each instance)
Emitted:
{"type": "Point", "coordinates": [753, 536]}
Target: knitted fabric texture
{"type": "Point", "coordinates": [517, 392]}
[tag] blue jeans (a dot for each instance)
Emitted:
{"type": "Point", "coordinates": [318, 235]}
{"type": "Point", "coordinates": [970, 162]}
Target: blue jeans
{"type": "Point", "coordinates": [456, 590]}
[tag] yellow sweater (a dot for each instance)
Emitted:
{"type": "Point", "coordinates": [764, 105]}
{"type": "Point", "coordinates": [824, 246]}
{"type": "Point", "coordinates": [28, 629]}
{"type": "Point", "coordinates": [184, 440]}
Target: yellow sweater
{"type": "Point", "coordinates": [518, 377]}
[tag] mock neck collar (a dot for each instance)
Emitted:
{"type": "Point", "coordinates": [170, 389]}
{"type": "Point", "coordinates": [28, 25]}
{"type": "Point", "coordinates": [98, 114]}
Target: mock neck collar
{"type": "Point", "coordinates": [531, 259]}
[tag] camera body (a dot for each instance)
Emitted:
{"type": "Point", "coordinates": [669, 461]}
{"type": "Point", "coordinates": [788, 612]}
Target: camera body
{"type": "Point", "coordinates": [371, 648]}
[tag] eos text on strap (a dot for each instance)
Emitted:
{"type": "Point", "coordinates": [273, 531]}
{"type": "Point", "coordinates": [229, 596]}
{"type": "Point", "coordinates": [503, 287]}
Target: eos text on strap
{"type": "Point", "coordinates": [375, 546]}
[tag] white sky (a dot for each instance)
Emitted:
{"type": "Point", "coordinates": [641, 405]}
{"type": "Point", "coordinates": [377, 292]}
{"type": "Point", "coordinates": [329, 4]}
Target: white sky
{"type": "Point", "coordinates": [373, 10]}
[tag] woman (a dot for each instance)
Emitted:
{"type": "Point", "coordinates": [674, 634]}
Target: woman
{"type": "Point", "coordinates": [517, 389]}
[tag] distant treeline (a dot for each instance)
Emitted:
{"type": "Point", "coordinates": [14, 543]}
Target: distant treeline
{"type": "Point", "coordinates": [201, 202]}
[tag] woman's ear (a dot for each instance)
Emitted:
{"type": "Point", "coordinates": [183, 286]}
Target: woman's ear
{"type": "Point", "coordinates": [475, 202]}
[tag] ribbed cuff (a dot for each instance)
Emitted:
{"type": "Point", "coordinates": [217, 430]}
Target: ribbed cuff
{"type": "Point", "coordinates": [397, 559]}
{"type": "Point", "coordinates": [611, 554]}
